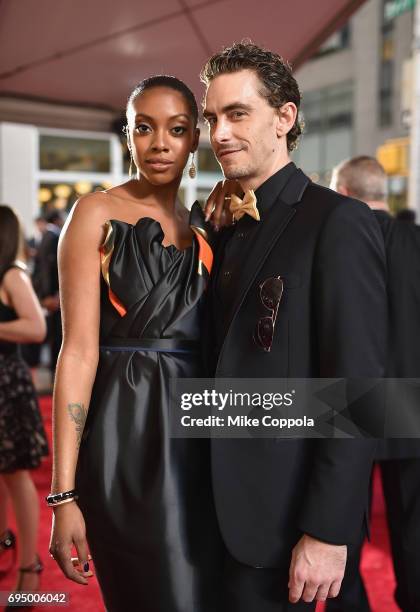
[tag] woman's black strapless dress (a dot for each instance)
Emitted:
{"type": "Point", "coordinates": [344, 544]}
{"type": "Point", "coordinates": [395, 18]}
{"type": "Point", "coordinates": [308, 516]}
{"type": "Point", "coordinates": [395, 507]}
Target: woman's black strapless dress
{"type": "Point", "coordinates": [146, 498]}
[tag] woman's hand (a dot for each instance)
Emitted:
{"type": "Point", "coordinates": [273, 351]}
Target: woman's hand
{"type": "Point", "coordinates": [68, 529]}
{"type": "Point", "coordinates": [218, 202]}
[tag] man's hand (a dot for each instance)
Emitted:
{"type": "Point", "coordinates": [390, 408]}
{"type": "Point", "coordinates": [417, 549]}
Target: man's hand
{"type": "Point", "coordinates": [218, 202]}
{"type": "Point", "coordinates": [316, 570]}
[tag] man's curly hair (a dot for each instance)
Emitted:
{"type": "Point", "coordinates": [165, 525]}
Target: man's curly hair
{"type": "Point", "coordinates": [278, 84]}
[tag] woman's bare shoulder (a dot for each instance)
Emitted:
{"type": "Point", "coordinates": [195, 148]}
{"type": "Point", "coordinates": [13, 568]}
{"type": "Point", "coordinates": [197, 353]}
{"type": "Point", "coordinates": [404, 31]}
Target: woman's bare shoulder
{"type": "Point", "coordinates": [102, 205]}
{"type": "Point", "coordinates": [86, 223]}
{"type": "Point", "coordinates": [17, 274]}
{"type": "Point", "coordinates": [94, 206]}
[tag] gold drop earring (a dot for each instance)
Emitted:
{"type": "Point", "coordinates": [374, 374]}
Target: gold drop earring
{"type": "Point", "coordinates": [192, 171]}
{"type": "Point", "coordinates": [130, 167]}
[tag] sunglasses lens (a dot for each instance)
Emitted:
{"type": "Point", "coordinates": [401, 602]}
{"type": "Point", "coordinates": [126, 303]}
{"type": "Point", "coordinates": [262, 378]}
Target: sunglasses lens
{"type": "Point", "coordinates": [264, 332]}
{"type": "Point", "coordinates": [271, 292]}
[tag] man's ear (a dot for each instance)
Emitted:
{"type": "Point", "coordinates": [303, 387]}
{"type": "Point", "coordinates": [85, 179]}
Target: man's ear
{"type": "Point", "coordinates": [335, 184]}
{"type": "Point", "coordinates": [196, 140]}
{"type": "Point", "coordinates": [343, 190]}
{"type": "Point", "coordinates": [286, 117]}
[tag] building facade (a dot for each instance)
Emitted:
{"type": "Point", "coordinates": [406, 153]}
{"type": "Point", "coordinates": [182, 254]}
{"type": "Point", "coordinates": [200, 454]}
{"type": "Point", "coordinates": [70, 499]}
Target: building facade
{"type": "Point", "coordinates": [356, 95]}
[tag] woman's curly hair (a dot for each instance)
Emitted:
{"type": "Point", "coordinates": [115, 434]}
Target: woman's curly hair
{"type": "Point", "coordinates": [278, 84]}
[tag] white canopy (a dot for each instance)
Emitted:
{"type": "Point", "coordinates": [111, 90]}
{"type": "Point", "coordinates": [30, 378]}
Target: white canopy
{"type": "Point", "coordinates": [93, 52]}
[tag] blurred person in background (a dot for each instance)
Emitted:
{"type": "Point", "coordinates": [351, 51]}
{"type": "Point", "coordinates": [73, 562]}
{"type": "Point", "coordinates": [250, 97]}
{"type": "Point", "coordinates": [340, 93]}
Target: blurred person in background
{"type": "Point", "coordinates": [7, 536]}
{"type": "Point", "coordinates": [45, 279]}
{"type": "Point", "coordinates": [35, 240]}
{"type": "Point", "coordinates": [32, 352]}
{"type": "Point", "coordinates": [407, 215]}
{"type": "Point", "coordinates": [23, 441]}
{"type": "Point", "coordinates": [399, 459]}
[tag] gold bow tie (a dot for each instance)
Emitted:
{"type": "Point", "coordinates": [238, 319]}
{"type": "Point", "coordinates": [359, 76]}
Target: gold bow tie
{"type": "Point", "coordinates": [246, 206]}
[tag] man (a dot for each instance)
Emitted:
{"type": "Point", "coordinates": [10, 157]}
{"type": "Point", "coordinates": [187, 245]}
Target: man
{"type": "Point", "coordinates": [407, 215]}
{"type": "Point", "coordinates": [364, 178]}
{"type": "Point", "coordinates": [31, 353]}
{"type": "Point", "coordinates": [45, 279]}
{"type": "Point", "coordinates": [287, 505]}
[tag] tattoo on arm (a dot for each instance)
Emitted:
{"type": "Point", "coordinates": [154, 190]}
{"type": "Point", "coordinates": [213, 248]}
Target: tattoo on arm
{"type": "Point", "coordinates": [78, 414]}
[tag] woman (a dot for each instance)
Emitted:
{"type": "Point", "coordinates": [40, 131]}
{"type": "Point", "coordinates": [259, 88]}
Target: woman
{"type": "Point", "coordinates": [133, 269]}
{"type": "Point", "coordinates": [22, 437]}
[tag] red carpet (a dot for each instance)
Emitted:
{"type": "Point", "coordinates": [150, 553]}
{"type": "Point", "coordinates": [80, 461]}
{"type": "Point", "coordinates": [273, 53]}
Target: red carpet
{"type": "Point", "coordinates": [82, 598]}
{"type": "Point", "coordinates": [376, 563]}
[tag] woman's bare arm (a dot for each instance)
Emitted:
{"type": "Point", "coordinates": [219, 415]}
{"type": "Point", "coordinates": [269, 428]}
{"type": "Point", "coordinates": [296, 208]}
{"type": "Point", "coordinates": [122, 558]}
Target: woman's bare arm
{"type": "Point", "coordinates": [79, 273]}
{"type": "Point", "coordinates": [30, 323]}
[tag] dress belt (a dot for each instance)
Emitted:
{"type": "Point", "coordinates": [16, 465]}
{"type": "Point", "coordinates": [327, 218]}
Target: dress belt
{"type": "Point", "coordinates": [159, 345]}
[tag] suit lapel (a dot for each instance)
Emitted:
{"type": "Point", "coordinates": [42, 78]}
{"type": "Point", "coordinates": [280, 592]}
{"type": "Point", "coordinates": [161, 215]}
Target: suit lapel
{"type": "Point", "coordinates": [271, 228]}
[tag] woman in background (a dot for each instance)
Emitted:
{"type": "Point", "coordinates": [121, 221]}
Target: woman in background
{"type": "Point", "coordinates": [22, 437]}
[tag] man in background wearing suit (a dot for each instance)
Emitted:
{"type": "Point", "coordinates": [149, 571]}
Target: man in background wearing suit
{"type": "Point", "coordinates": [298, 292]}
{"type": "Point", "coordinates": [45, 279]}
{"type": "Point", "coordinates": [399, 459]}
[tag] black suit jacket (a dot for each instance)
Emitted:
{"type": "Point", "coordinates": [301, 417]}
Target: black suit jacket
{"type": "Point", "coordinates": [45, 274]}
{"type": "Point", "coordinates": [402, 244]}
{"type": "Point", "coordinates": [331, 323]}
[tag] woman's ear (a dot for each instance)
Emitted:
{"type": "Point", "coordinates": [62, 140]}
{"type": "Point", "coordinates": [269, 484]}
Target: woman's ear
{"type": "Point", "coordinates": [286, 117]}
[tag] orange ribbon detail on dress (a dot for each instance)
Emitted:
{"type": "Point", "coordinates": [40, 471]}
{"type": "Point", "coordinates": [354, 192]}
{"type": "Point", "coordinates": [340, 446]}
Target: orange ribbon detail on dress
{"type": "Point", "coordinates": [106, 251]}
{"type": "Point", "coordinates": [205, 254]}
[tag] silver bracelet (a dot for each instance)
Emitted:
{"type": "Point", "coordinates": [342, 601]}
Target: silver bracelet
{"type": "Point", "coordinates": [64, 501]}
{"type": "Point", "coordinates": [54, 498]}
